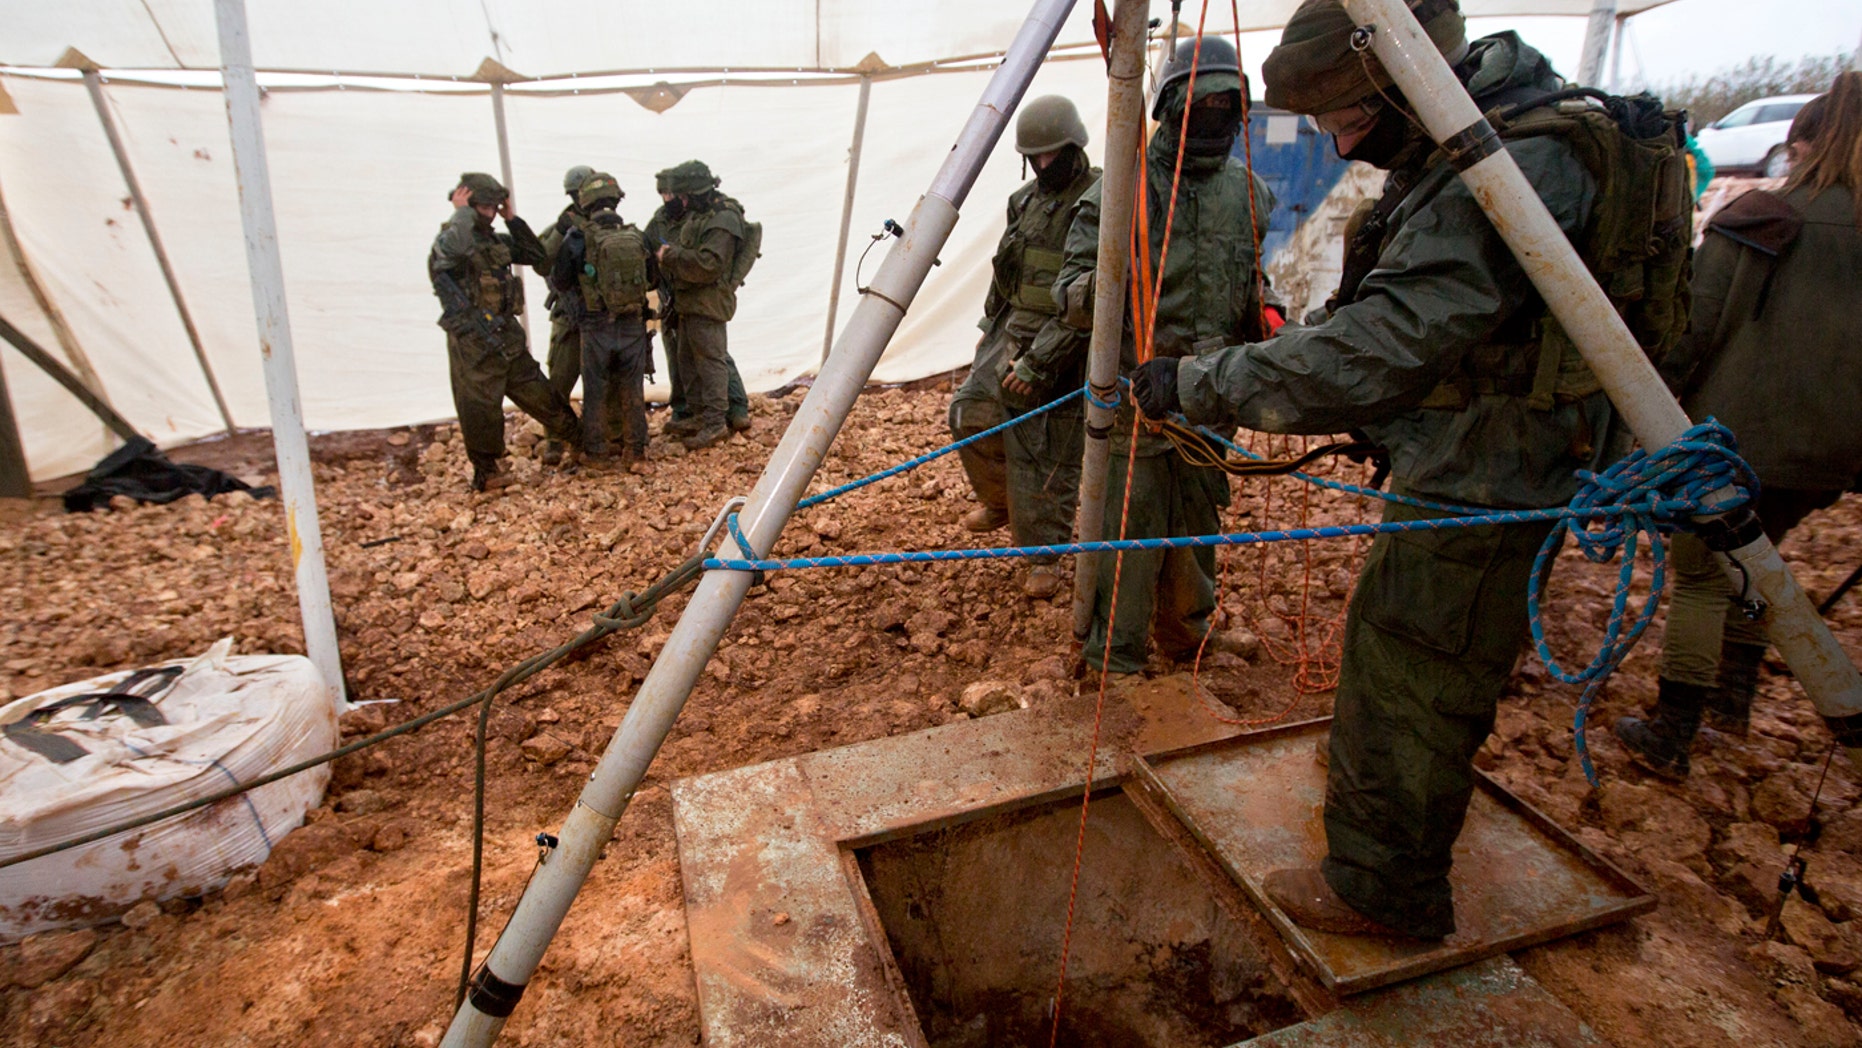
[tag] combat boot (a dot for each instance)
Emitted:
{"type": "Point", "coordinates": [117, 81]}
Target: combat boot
{"type": "Point", "coordinates": [489, 479]}
{"type": "Point", "coordinates": [985, 518]}
{"type": "Point", "coordinates": [552, 453]}
{"type": "Point", "coordinates": [1042, 582]}
{"type": "Point", "coordinates": [706, 437]}
{"type": "Point", "coordinates": [681, 427]}
{"type": "Point", "coordinates": [1660, 743]}
{"type": "Point", "coordinates": [739, 423]}
{"type": "Point", "coordinates": [1729, 706]}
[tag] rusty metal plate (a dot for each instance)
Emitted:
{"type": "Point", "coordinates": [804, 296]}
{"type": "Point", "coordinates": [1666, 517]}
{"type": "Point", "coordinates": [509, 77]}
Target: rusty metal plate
{"type": "Point", "coordinates": [1490, 1004]}
{"type": "Point", "coordinates": [1256, 803]}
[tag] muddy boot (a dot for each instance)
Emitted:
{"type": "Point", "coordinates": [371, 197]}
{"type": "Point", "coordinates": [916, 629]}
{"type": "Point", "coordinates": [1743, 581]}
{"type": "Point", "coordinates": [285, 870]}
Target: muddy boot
{"type": "Point", "coordinates": [738, 423]}
{"type": "Point", "coordinates": [1660, 743]}
{"type": "Point", "coordinates": [1042, 582]}
{"type": "Point", "coordinates": [985, 518]}
{"type": "Point", "coordinates": [1729, 706]}
{"type": "Point", "coordinates": [489, 479]}
{"type": "Point", "coordinates": [705, 438]}
{"type": "Point", "coordinates": [552, 453]}
{"type": "Point", "coordinates": [1303, 895]}
{"type": "Point", "coordinates": [680, 427]}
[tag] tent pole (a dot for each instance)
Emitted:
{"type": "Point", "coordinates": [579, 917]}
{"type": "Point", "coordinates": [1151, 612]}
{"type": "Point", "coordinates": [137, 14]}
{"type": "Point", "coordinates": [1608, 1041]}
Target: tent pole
{"type": "Point", "coordinates": [75, 386]}
{"type": "Point", "coordinates": [53, 315]}
{"type": "Point", "coordinates": [1616, 54]}
{"type": "Point", "coordinates": [1626, 374]}
{"type": "Point", "coordinates": [15, 481]}
{"type": "Point", "coordinates": [252, 169]}
{"type": "Point", "coordinates": [504, 170]}
{"type": "Point", "coordinates": [1124, 134]}
{"type": "Point", "coordinates": [93, 82]}
{"type": "Point", "coordinates": [846, 209]}
{"type": "Point", "coordinates": [1596, 41]}
{"type": "Point", "coordinates": [499, 982]}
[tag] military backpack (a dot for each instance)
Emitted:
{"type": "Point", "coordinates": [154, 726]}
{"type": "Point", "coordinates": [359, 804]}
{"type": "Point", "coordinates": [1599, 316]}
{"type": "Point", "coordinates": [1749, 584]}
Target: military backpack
{"type": "Point", "coordinates": [614, 266]}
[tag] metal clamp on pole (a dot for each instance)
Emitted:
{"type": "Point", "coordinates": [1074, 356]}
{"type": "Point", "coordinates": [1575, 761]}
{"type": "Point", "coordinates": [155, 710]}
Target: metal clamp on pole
{"type": "Point", "coordinates": [546, 899]}
{"type": "Point", "coordinates": [1612, 353]}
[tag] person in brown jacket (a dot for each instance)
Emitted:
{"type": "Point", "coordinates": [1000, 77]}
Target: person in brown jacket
{"type": "Point", "coordinates": [1774, 352]}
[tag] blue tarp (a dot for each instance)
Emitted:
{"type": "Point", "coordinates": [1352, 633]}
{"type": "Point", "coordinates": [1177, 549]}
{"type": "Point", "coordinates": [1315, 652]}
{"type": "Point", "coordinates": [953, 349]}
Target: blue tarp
{"type": "Point", "coordinates": [1297, 162]}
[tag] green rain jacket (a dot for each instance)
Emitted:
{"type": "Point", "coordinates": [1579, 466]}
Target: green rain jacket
{"type": "Point", "coordinates": [698, 259]}
{"type": "Point", "coordinates": [1445, 295]}
{"type": "Point", "coordinates": [1209, 295]}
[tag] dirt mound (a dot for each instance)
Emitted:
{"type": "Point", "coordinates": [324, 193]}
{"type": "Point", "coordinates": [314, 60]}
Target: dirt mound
{"type": "Point", "coordinates": [350, 934]}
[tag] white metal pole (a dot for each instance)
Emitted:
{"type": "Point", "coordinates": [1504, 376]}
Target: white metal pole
{"type": "Point", "coordinates": [510, 185]}
{"type": "Point", "coordinates": [846, 210]}
{"type": "Point", "coordinates": [1124, 139]}
{"type": "Point", "coordinates": [241, 86]}
{"type": "Point", "coordinates": [1616, 53]}
{"type": "Point", "coordinates": [1582, 309]}
{"type": "Point", "coordinates": [1596, 41]}
{"type": "Point", "coordinates": [499, 982]}
{"type": "Point", "coordinates": [94, 82]}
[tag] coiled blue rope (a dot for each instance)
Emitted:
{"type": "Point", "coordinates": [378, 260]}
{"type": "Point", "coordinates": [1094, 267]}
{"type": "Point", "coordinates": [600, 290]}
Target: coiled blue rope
{"type": "Point", "coordinates": [1646, 493]}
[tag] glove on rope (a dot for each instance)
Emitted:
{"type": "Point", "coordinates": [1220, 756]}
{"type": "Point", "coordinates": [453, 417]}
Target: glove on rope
{"type": "Point", "coordinates": [1154, 385]}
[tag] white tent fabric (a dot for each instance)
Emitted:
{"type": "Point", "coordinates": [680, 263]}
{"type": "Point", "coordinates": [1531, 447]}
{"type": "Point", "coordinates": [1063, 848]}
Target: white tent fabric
{"type": "Point", "coordinates": [359, 180]}
{"type": "Point", "coordinates": [554, 37]}
{"type": "Point", "coordinates": [359, 177]}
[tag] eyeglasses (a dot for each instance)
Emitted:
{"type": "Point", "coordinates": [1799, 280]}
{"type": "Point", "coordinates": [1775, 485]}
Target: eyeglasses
{"type": "Point", "coordinates": [1353, 119]}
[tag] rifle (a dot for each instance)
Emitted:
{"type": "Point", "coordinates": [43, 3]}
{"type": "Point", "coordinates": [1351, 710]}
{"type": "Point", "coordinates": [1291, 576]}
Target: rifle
{"type": "Point", "coordinates": [458, 315]}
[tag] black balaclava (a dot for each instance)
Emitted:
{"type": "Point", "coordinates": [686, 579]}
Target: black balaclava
{"type": "Point", "coordinates": [1066, 167]}
{"type": "Point", "coordinates": [1212, 131]}
{"type": "Point", "coordinates": [675, 208]}
{"type": "Point", "coordinates": [1394, 141]}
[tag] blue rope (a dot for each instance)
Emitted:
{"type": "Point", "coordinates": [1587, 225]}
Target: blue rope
{"type": "Point", "coordinates": [1334, 531]}
{"type": "Point", "coordinates": [1108, 405]}
{"type": "Point", "coordinates": [1648, 493]}
{"type": "Point", "coordinates": [911, 464]}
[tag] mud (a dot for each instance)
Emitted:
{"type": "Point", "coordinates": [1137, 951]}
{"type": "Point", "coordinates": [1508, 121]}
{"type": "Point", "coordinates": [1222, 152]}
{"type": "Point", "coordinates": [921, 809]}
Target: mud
{"type": "Point", "coordinates": [351, 933]}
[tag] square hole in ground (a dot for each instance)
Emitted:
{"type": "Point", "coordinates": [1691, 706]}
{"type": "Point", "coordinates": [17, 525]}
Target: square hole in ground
{"type": "Point", "coordinates": [975, 914]}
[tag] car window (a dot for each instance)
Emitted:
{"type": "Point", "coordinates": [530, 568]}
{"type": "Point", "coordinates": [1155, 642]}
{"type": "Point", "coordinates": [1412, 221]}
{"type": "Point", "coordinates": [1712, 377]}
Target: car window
{"type": "Point", "coordinates": [1738, 117]}
{"type": "Point", "coordinates": [1778, 112]}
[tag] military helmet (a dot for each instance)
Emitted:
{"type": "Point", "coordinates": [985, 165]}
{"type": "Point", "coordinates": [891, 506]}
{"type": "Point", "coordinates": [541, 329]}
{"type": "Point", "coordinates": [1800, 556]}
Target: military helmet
{"type": "Point", "coordinates": [690, 178]}
{"type": "Point", "coordinates": [1316, 69]}
{"type": "Point", "coordinates": [1218, 69]}
{"type": "Point", "coordinates": [597, 188]}
{"type": "Point", "coordinates": [1046, 124]}
{"type": "Point", "coordinates": [573, 178]}
{"type": "Point", "coordinates": [486, 190]}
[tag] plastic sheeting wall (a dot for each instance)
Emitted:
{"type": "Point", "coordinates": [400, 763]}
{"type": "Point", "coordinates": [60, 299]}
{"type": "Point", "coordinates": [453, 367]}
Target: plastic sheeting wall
{"type": "Point", "coordinates": [359, 180]}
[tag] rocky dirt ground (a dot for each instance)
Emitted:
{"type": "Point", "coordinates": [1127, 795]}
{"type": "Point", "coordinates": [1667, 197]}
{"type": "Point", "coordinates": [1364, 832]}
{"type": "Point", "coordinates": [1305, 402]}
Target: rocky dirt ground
{"type": "Point", "coordinates": [350, 934]}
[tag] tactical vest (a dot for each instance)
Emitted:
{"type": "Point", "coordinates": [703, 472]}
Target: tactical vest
{"type": "Point", "coordinates": [1029, 258]}
{"type": "Point", "coordinates": [1637, 244]}
{"type": "Point", "coordinates": [489, 280]}
{"type": "Point", "coordinates": [718, 300]}
{"type": "Point", "coordinates": [614, 266]}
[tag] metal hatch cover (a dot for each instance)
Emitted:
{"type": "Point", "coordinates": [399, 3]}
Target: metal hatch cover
{"type": "Point", "coordinates": [1256, 803]}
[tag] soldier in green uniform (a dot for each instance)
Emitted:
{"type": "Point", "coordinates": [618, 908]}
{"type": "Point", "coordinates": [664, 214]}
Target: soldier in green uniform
{"type": "Point", "coordinates": [660, 229]}
{"type": "Point", "coordinates": [482, 303]}
{"type": "Point", "coordinates": [1434, 348]}
{"type": "Point", "coordinates": [604, 268]}
{"type": "Point", "coordinates": [1029, 476]}
{"type": "Point", "coordinates": [697, 257]}
{"type": "Point", "coordinates": [1212, 297]}
{"type": "Point", "coordinates": [565, 357]}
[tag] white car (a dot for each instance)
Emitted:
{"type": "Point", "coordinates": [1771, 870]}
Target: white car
{"type": "Point", "coordinates": [1750, 139]}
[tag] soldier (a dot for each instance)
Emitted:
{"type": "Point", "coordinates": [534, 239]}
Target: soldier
{"type": "Point", "coordinates": [1439, 346]}
{"type": "Point", "coordinates": [659, 230]}
{"type": "Point", "coordinates": [698, 256]}
{"type": "Point", "coordinates": [482, 301]}
{"type": "Point", "coordinates": [565, 358]}
{"type": "Point", "coordinates": [1029, 475]}
{"type": "Point", "coordinates": [1212, 296]}
{"type": "Point", "coordinates": [605, 268]}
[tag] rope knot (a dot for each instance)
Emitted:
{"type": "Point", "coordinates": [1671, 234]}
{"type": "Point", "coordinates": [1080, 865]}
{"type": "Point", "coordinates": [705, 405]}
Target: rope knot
{"type": "Point", "coordinates": [622, 616]}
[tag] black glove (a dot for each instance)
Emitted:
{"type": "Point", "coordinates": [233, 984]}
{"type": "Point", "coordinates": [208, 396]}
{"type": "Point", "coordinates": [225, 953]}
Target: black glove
{"type": "Point", "coordinates": [1154, 386]}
